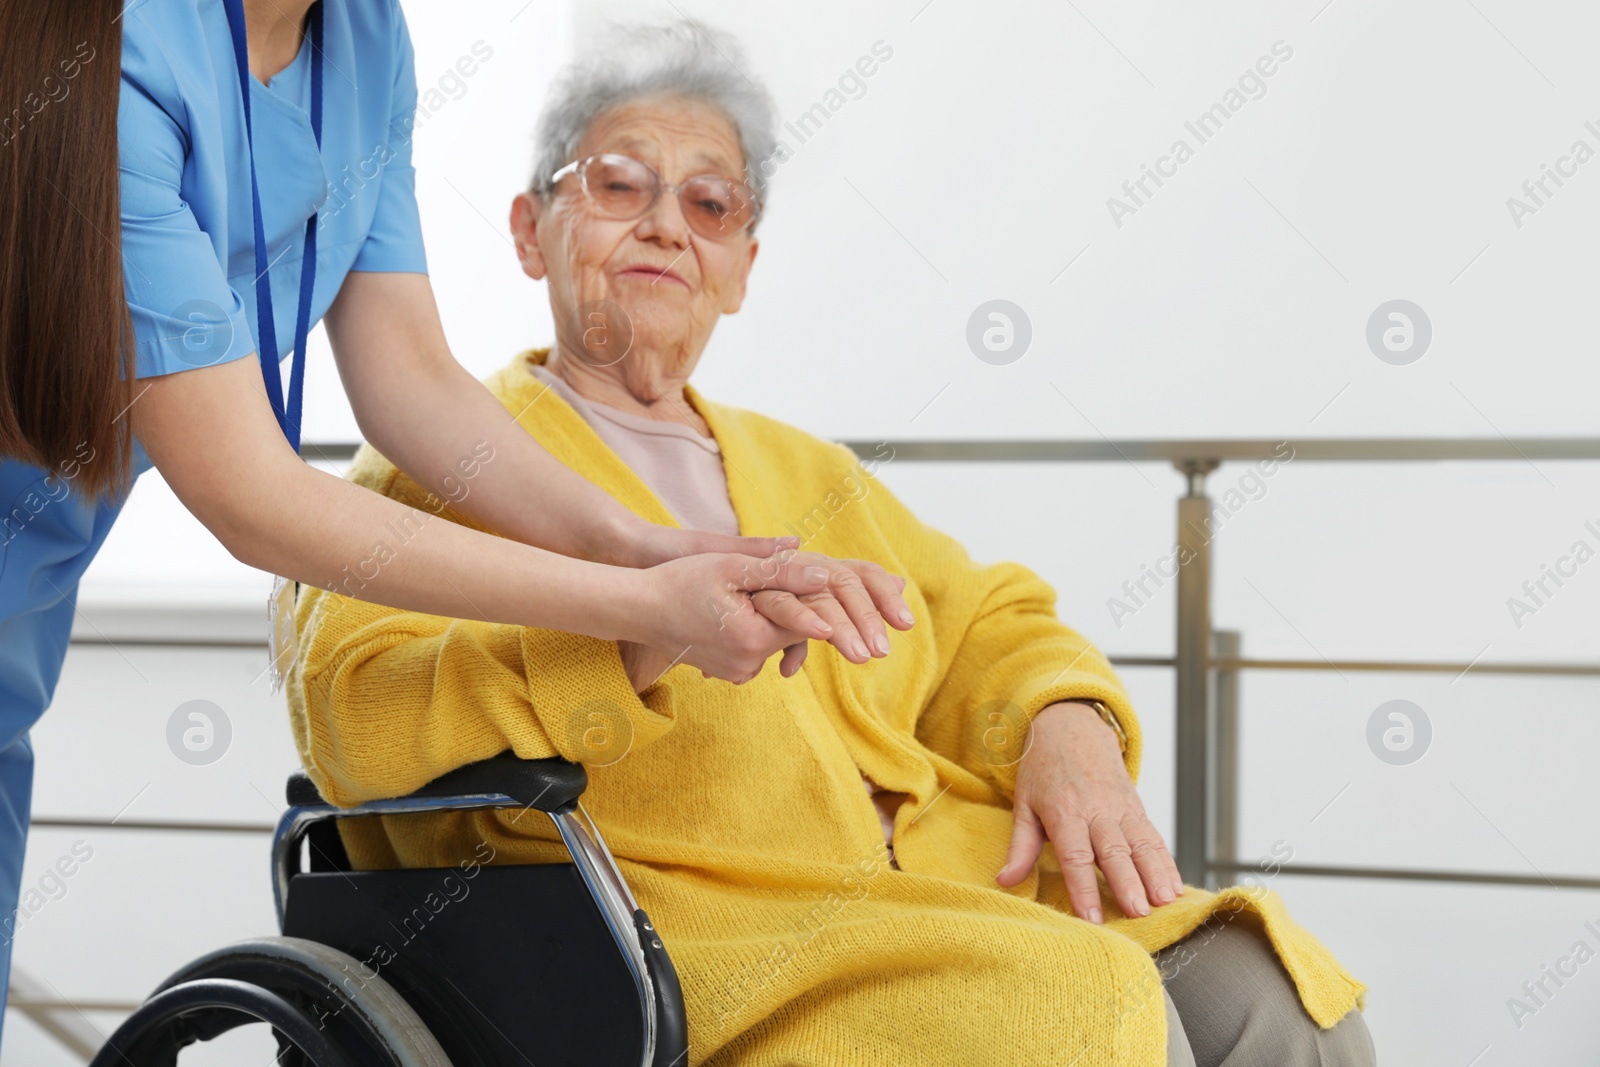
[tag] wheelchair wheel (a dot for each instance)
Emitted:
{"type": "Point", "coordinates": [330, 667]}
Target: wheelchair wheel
{"type": "Point", "coordinates": [325, 1008]}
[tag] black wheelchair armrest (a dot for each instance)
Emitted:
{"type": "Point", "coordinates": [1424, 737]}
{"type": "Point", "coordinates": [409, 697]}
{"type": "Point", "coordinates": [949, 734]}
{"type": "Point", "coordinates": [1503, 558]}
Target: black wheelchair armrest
{"type": "Point", "coordinates": [548, 785]}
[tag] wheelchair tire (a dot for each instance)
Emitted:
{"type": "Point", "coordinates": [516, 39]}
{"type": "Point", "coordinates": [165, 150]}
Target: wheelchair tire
{"type": "Point", "coordinates": [372, 1024]}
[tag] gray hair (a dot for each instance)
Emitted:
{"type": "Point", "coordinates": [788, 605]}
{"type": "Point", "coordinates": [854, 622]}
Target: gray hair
{"type": "Point", "coordinates": [684, 58]}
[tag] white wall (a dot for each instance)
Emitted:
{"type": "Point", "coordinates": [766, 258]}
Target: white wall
{"type": "Point", "coordinates": [1234, 303]}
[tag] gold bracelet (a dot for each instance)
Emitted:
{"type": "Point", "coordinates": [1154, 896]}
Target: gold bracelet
{"type": "Point", "coordinates": [1110, 719]}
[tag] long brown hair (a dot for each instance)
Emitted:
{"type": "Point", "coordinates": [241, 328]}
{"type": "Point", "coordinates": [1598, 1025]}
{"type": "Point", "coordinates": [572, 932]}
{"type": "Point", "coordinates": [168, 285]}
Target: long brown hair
{"type": "Point", "coordinates": [66, 339]}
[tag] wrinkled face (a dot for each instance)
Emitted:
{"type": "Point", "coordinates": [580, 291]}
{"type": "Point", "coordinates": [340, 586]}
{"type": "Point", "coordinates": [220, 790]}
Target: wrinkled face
{"type": "Point", "coordinates": [670, 283]}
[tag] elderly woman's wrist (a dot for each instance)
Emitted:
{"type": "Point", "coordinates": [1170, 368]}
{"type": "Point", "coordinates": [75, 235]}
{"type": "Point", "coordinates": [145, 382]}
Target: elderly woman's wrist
{"type": "Point", "coordinates": [1090, 716]}
{"type": "Point", "coordinates": [643, 665]}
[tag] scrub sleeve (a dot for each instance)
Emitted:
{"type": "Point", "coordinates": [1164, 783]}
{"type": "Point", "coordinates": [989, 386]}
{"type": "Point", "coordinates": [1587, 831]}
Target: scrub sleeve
{"type": "Point", "coordinates": [189, 255]}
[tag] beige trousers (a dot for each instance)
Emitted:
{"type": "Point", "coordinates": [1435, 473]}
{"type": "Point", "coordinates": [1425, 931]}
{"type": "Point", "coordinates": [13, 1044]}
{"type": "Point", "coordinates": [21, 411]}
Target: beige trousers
{"type": "Point", "coordinates": [1230, 1003]}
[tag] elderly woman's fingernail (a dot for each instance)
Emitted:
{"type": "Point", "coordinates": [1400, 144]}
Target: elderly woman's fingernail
{"type": "Point", "coordinates": [859, 650]}
{"type": "Point", "coordinates": [1094, 915]}
{"type": "Point", "coordinates": [816, 574]}
{"type": "Point", "coordinates": [881, 643]}
{"type": "Point", "coordinates": [905, 617]}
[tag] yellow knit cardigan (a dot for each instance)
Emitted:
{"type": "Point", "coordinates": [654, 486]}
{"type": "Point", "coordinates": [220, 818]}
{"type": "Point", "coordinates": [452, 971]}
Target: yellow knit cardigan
{"type": "Point", "coordinates": [737, 814]}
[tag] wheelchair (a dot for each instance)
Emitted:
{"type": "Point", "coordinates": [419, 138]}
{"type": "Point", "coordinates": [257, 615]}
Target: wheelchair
{"type": "Point", "coordinates": [553, 964]}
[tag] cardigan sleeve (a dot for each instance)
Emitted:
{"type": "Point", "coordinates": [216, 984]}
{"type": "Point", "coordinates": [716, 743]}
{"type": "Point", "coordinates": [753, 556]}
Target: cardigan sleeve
{"type": "Point", "coordinates": [384, 701]}
{"type": "Point", "coordinates": [1003, 654]}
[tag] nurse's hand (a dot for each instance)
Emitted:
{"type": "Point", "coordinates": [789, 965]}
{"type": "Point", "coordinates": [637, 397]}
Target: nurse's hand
{"type": "Point", "coordinates": [646, 544]}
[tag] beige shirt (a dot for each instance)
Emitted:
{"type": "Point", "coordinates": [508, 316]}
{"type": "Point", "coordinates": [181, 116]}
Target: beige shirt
{"type": "Point", "coordinates": [681, 467]}
{"type": "Point", "coordinates": [685, 470]}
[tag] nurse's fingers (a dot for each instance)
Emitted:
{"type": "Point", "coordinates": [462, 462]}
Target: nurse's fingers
{"type": "Point", "coordinates": [786, 571]}
{"type": "Point", "coordinates": [672, 543]}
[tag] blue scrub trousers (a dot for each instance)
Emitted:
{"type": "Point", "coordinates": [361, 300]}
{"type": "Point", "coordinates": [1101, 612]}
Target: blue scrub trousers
{"type": "Point", "coordinates": [48, 535]}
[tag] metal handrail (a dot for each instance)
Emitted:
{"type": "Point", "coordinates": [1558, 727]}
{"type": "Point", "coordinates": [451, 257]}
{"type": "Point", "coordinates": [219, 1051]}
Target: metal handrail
{"type": "Point", "coordinates": [1415, 874]}
{"type": "Point", "coordinates": [60, 1018]}
{"type": "Point", "coordinates": [1405, 666]}
{"type": "Point", "coordinates": [1173, 450]}
{"type": "Point", "coordinates": [86, 823]}
{"type": "Point", "coordinates": [1253, 663]}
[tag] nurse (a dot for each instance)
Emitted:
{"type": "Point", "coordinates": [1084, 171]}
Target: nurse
{"type": "Point", "coordinates": [132, 310]}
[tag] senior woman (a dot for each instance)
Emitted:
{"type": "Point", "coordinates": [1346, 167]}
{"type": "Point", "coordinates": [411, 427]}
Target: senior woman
{"type": "Point", "coordinates": [846, 871]}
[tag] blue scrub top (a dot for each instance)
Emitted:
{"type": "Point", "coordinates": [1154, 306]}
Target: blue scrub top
{"type": "Point", "coordinates": [187, 228]}
{"type": "Point", "coordinates": [189, 254]}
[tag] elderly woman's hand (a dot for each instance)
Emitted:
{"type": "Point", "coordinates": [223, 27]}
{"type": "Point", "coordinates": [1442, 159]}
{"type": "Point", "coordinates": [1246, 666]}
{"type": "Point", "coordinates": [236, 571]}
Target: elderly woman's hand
{"type": "Point", "coordinates": [859, 599]}
{"type": "Point", "coordinates": [1073, 786]}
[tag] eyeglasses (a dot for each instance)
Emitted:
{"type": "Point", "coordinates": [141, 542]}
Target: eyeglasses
{"type": "Point", "coordinates": [623, 188]}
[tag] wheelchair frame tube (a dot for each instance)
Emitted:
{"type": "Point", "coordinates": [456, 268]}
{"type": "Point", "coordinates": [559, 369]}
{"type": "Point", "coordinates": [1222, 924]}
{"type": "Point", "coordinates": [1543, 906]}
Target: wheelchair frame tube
{"type": "Point", "coordinates": [599, 872]}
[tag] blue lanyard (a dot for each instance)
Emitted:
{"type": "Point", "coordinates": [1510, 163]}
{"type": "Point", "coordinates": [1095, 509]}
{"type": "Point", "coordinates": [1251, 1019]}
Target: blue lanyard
{"type": "Point", "coordinates": [267, 346]}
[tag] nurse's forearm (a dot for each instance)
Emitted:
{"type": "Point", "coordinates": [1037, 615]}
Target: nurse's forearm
{"type": "Point", "coordinates": [443, 428]}
{"type": "Point", "coordinates": [343, 537]}
{"type": "Point", "coordinates": [215, 441]}
{"type": "Point", "coordinates": [433, 420]}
